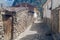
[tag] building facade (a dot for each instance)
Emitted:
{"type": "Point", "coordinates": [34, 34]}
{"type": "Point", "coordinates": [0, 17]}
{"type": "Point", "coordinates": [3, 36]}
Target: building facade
{"type": "Point", "coordinates": [55, 17]}
{"type": "Point", "coordinates": [47, 12]}
{"type": "Point", "coordinates": [51, 14]}
{"type": "Point", "coordinates": [55, 3]}
{"type": "Point", "coordinates": [15, 21]}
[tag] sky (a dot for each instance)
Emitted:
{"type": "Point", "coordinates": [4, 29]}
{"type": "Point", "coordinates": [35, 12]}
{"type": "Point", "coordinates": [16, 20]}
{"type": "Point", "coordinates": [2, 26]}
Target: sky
{"type": "Point", "coordinates": [6, 2]}
{"type": "Point", "coordinates": [10, 2]}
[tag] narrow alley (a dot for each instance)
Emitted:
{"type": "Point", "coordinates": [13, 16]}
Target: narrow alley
{"type": "Point", "coordinates": [43, 32]}
{"type": "Point", "coordinates": [29, 19]}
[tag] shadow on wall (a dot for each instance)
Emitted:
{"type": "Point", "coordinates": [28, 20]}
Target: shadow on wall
{"type": "Point", "coordinates": [47, 21]}
{"type": "Point", "coordinates": [56, 36]}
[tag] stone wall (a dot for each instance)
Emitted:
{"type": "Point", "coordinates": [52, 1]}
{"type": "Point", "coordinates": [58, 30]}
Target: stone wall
{"type": "Point", "coordinates": [23, 20]}
{"type": "Point", "coordinates": [1, 28]}
{"type": "Point", "coordinates": [55, 20]}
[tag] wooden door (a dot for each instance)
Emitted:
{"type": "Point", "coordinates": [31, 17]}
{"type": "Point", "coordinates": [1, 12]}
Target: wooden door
{"type": "Point", "coordinates": [7, 21]}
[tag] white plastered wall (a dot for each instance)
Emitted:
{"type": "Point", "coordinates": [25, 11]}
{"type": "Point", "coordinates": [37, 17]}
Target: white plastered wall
{"type": "Point", "coordinates": [55, 3]}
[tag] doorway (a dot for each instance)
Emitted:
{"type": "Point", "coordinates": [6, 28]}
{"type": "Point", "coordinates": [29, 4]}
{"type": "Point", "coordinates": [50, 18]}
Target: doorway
{"type": "Point", "coordinates": [8, 24]}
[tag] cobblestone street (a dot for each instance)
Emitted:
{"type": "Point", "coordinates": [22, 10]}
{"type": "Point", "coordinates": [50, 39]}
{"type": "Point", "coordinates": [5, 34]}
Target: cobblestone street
{"type": "Point", "coordinates": [43, 33]}
{"type": "Point", "coordinates": [29, 19]}
{"type": "Point", "coordinates": [36, 31]}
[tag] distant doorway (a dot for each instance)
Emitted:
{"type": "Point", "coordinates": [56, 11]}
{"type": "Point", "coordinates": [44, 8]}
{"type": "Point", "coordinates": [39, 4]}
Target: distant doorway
{"type": "Point", "coordinates": [7, 22]}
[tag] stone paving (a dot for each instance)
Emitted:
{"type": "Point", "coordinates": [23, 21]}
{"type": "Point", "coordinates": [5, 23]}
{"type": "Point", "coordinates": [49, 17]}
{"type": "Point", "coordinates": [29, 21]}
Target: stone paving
{"type": "Point", "coordinates": [43, 33]}
{"type": "Point", "coordinates": [56, 36]}
{"type": "Point", "coordinates": [37, 31]}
